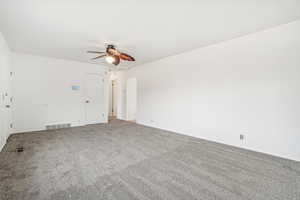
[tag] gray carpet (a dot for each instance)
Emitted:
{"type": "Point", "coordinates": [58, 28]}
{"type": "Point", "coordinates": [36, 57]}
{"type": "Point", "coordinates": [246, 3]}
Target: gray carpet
{"type": "Point", "coordinates": [125, 161]}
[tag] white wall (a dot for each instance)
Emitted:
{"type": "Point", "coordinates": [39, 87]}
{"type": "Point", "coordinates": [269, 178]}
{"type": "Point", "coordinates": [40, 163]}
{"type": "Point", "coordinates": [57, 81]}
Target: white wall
{"type": "Point", "coordinates": [43, 95]}
{"type": "Point", "coordinates": [5, 91]}
{"type": "Point", "coordinates": [131, 98]}
{"type": "Point", "coordinates": [249, 85]}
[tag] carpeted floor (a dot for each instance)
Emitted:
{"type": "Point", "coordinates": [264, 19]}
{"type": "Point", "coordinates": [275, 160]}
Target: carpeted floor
{"type": "Point", "coordinates": [125, 161]}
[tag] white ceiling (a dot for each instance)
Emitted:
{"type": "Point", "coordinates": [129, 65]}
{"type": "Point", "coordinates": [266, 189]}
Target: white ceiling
{"type": "Point", "coordinates": [147, 29]}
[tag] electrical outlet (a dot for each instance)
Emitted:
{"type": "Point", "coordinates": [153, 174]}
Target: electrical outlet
{"type": "Point", "coordinates": [242, 137]}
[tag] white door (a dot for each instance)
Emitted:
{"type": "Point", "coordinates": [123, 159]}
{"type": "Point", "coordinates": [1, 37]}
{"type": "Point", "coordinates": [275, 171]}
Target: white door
{"type": "Point", "coordinates": [131, 99]}
{"type": "Point", "coordinates": [5, 117]}
{"type": "Point", "coordinates": [94, 102]}
{"type": "Point", "coordinates": [7, 113]}
{"type": "Point", "coordinates": [5, 92]}
{"type": "Point", "coordinates": [5, 105]}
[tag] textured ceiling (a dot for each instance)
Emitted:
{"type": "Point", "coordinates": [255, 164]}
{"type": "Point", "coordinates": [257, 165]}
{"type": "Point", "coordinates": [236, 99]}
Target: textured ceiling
{"type": "Point", "coordinates": [148, 30]}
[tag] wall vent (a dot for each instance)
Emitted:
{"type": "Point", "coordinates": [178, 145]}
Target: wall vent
{"type": "Point", "coordinates": [57, 126]}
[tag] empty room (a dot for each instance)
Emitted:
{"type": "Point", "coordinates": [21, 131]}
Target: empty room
{"type": "Point", "coordinates": [150, 100]}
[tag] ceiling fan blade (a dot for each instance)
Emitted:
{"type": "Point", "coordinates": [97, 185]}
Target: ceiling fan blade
{"type": "Point", "coordinates": [95, 52]}
{"type": "Point", "coordinates": [99, 57]}
{"type": "Point", "coordinates": [127, 57]}
{"type": "Point", "coordinates": [117, 60]}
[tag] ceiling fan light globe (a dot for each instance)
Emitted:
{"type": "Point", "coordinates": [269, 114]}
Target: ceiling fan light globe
{"type": "Point", "coordinates": [110, 59]}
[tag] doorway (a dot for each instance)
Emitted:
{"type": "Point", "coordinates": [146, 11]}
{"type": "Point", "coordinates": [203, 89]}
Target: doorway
{"type": "Point", "coordinates": [131, 99]}
{"type": "Point", "coordinates": [114, 100]}
{"type": "Point", "coordinates": [95, 101]}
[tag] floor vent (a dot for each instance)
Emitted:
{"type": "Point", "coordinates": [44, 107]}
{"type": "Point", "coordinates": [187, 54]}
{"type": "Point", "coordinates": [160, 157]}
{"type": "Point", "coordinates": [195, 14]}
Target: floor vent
{"type": "Point", "coordinates": [57, 126]}
{"type": "Point", "coordinates": [19, 149]}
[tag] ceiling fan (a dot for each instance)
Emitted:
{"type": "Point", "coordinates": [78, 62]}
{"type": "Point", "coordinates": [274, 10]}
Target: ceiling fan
{"type": "Point", "coordinates": [112, 55]}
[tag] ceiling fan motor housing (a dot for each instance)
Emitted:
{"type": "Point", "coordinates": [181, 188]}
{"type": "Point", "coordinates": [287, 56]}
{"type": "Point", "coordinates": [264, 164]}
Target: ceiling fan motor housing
{"type": "Point", "coordinates": [110, 46]}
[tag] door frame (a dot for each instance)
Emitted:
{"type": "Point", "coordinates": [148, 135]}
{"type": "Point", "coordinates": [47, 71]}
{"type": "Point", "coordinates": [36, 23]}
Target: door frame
{"type": "Point", "coordinates": [114, 98]}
